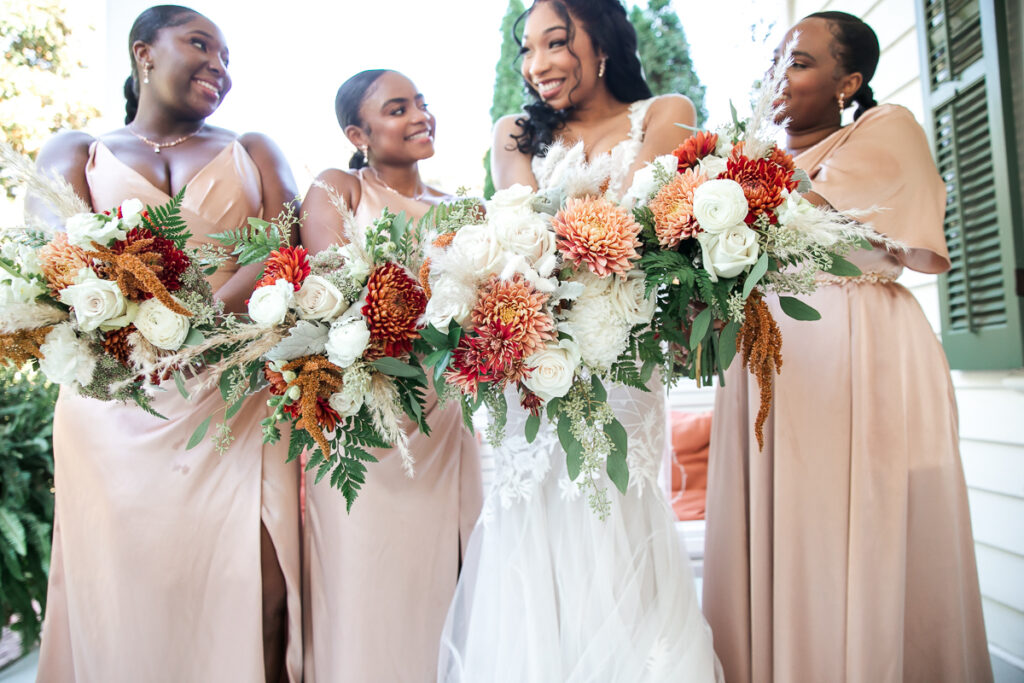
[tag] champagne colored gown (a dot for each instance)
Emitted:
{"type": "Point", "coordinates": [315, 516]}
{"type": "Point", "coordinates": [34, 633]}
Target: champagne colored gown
{"type": "Point", "coordinates": [843, 552]}
{"type": "Point", "coordinates": [157, 573]}
{"type": "Point", "coordinates": [378, 580]}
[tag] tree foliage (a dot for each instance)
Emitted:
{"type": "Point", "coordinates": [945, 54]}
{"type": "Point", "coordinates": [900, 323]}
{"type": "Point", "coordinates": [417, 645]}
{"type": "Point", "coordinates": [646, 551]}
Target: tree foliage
{"type": "Point", "coordinates": [509, 93]}
{"type": "Point", "coordinates": [666, 54]}
{"type": "Point", "coordinates": [36, 75]}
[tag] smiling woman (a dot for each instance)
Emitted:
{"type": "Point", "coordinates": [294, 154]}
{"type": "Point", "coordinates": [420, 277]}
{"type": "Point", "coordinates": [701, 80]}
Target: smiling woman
{"type": "Point", "coordinates": [170, 564]}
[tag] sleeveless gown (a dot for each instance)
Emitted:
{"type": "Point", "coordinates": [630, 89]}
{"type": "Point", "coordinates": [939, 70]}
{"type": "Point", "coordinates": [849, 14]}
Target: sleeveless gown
{"type": "Point", "coordinates": [156, 567]}
{"type": "Point", "coordinates": [552, 594]}
{"type": "Point", "coordinates": [843, 552]}
{"type": "Point", "coordinates": [378, 580]}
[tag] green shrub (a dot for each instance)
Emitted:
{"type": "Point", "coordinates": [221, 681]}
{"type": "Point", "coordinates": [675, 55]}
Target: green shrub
{"type": "Point", "coordinates": [26, 499]}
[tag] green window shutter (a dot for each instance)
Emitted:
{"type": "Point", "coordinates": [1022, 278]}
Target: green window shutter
{"type": "Point", "coordinates": [968, 97]}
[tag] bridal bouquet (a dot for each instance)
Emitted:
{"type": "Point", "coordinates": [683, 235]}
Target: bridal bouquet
{"type": "Point", "coordinates": [332, 335]}
{"type": "Point", "coordinates": [724, 222]}
{"type": "Point", "coordinates": [94, 307]}
{"type": "Point", "coordinates": [542, 301]}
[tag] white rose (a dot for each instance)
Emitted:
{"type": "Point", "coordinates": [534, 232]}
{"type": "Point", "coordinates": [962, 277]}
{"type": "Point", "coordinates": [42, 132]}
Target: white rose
{"type": "Point", "coordinates": [131, 213]}
{"type": "Point", "coordinates": [269, 304]}
{"type": "Point", "coordinates": [528, 235]}
{"type": "Point", "coordinates": [345, 405]}
{"type": "Point", "coordinates": [724, 146]}
{"type": "Point", "coordinates": [96, 302]}
{"type": "Point", "coordinates": [318, 299]}
{"type": "Point", "coordinates": [713, 166]}
{"type": "Point", "coordinates": [449, 300]}
{"type": "Point", "coordinates": [718, 205]}
{"type": "Point", "coordinates": [629, 301]}
{"type": "Point", "coordinates": [476, 251]}
{"type": "Point", "coordinates": [518, 198]}
{"type": "Point", "coordinates": [645, 180]}
{"type": "Point", "coordinates": [730, 252]}
{"type": "Point", "coordinates": [356, 267]}
{"type": "Point", "coordinates": [85, 228]}
{"type": "Point", "coordinates": [553, 369]}
{"type": "Point", "coordinates": [66, 358]}
{"type": "Point", "coordinates": [161, 326]}
{"type": "Point", "coordinates": [347, 340]}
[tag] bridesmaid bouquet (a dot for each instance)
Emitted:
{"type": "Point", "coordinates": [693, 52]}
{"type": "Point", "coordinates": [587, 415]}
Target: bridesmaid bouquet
{"type": "Point", "coordinates": [333, 336]}
{"type": "Point", "coordinates": [724, 222]}
{"type": "Point", "coordinates": [96, 306]}
{"type": "Point", "coordinates": [542, 298]}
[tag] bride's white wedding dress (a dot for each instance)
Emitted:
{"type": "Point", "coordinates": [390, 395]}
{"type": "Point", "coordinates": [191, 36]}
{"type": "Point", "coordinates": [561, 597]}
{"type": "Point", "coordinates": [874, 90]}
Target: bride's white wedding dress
{"type": "Point", "coordinates": [550, 593]}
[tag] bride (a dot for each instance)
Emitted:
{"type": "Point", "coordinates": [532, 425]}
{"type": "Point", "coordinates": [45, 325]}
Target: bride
{"type": "Point", "coordinates": [549, 592]}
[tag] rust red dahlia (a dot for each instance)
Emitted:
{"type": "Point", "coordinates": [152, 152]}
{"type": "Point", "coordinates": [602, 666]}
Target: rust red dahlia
{"type": "Point", "coordinates": [394, 303]}
{"type": "Point", "coordinates": [762, 182]}
{"type": "Point", "coordinates": [287, 263]}
{"type": "Point", "coordinates": [597, 233]}
{"type": "Point", "coordinates": [514, 304]}
{"type": "Point", "coordinates": [778, 156]}
{"type": "Point", "coordinates": [694, 148]}
{"type": "Point", "coordinates": [170, 265]}
{"type": "Point", "coordinates": [673, 208]}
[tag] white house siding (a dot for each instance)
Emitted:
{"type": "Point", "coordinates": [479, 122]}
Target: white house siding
{"type": "Point", "coordinates": [991, 404]}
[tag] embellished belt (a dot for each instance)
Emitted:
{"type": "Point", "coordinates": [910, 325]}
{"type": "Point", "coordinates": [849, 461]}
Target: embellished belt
{"type": "Point", "coordinates": [865, 278]}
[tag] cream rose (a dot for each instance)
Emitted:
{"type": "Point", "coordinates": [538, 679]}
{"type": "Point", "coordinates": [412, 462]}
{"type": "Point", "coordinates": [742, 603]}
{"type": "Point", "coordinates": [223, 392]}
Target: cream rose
{"type": "Point", "coordinates": [729, 253]}
{"type": "Point", "coordinates": [449, 300]}
{"type": "Point", "coordinates": [553, 369]}
{"type": "Point", "coordinates": [476, 251]}
{"type": "Point", "coordinates": [713, 166]}
{"type": "Point", "coordinates": [645, 180]}
{"type": "Point", "coordinates": [318, 299]}
{"type": "Point", "coordinates": [518, 199]}
{"type": "Point", "coordinates": [96, 302]}
{"type": "Point", "coordinates": [345, 405]}
{"type": "Point", "coordinates": [269, 304]}
{"type": "Point", "coordinates": [719, 204]}
{"type": "Point", "coordinates": [162, 327]}
{"type": "Point", "coordinates": [629, 300]}
{"type": "Point", "coordinates": [66, 358]}
{"type": "Point", "coordinates": [131, 213]}
{"type": "Point", "coordinates": [528, 235]}
{"type": "Point", "coordinates": [347, 340]}
{"type": "Point", "coordinates": [85, 228]}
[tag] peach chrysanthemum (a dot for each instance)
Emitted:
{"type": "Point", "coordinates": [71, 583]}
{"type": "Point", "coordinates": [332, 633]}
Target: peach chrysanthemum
{"type": "Point", "coordinates": [288, 263]}
{"type": "Point", "coordinates": [394, 302]}
{"type": "Point", "coordinates": [673, 209]}
{"type": "Point", "coordinates": [514, 304]}
{"type": "Point", "coordinates": [694, 148]}
{"type": "Point", "coordinates": [762, 182]}
{"type": "Point", "coordinates": [60, 262]}
{"type": "Point", "coordinates": [599, 234]}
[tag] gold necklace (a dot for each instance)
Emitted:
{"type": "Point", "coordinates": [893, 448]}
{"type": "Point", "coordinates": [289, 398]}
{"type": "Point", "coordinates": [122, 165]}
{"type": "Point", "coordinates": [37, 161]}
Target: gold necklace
{"type": "Point", "coordinates": [416, 197]}
{"type": "Point", "coordinates": [157, 146]}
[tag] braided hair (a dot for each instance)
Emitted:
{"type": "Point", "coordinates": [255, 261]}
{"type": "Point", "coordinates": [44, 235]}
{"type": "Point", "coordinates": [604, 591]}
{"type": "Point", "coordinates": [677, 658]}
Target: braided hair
{"type": "Point", "coordinates": [611, 32]}
{"type": "Point", "coordinates": [347, 103]}
{"type": "Point", "coordinates": [855, 47]}
{"type": "Point", "coordinates": [145, 28]}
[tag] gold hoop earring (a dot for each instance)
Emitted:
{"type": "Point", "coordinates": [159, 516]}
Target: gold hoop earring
{"type": "Point", "coordinates": [145, 72]}
{"type": "Point", "coordinates": [842, 104]}
{"type": "Point", "coordinates": [600, 69]}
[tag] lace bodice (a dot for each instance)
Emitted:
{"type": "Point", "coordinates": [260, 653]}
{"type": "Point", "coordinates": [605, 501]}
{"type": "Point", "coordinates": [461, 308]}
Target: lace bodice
{"type": "Point", "coordinates": [622, 155]}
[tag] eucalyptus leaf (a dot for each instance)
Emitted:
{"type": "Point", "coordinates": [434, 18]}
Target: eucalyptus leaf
{"type": "Point", "coordinates": [573, 449]}
{"type": "Point", "coordinates": [727, 344]}
{"type": "Point", "coordinates": [396, 368]}
{"type": "Point", "coordinates": [198, 434]}
{"type": "Point", "coordinates": [435, 337]}
{"type": "Point", "coordinates": [179, 381]}
{"type": "Point", "coordinates": [193, 338]}
{"type": "Point", "coordinates": [700, 327]}
{"type": "Point", "coordinates": [618, 470]}
{"type": "Point", "coordinates": [843, 268]}
{"type": "Point", "coordinates": [755, 275]}
{"type": "Point", "coordinates": [600, 394]}
{"type": "Point", "coordinates": [797, 309]}
{"type": "Point", "coordinates": [532, 427]}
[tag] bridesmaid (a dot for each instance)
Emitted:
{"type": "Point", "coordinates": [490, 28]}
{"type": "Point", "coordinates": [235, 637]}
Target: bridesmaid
{"type": "Point", "coordinates": [378, 580]}
{"type": "Point", "coordinates": [843, 550]}
{"type": "Point", "coordinates": [171, 565]}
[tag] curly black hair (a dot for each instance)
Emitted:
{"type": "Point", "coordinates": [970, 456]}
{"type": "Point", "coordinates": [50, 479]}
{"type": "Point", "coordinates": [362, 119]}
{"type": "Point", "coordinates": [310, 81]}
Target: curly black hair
{"type": "Point", "coordinates": [611, 33]}
{"type": "Point", "coordinates": [855, 47]}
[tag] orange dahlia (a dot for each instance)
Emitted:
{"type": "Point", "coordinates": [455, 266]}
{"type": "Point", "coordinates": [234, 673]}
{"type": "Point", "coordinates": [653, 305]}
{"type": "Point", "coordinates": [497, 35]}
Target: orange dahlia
{"type": "Point", "coordinates": [597, 233]}
{"type": "Point", "coordinates": [288, 263]}
{"type": "Point", "coordinates": [762, 182]}
{"type": "Point", "coordinates": [778, 156]}
{"type": "Point", "coordinates": [694, 148]}
{"type": "Point", "coordinates": [394, 302]}
{"type": "Point", "coordinates": [60, 262]}
{"type": "Point", "coordinates": [673, 208]}
{"type": "Point", "coordinates": [514, 304]}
